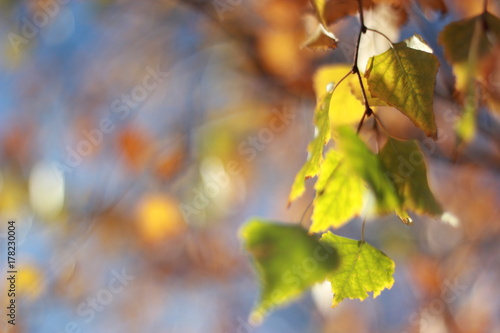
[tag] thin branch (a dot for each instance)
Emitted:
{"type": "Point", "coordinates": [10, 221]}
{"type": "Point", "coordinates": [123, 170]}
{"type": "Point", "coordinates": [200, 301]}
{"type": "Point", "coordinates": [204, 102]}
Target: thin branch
{"type": "Point", "coordinates": [379, 121]}
{"type": "Point", "coordinates": [305, 211]}
{"type": "Point", "coordinates": [368, 111]}
{"type": "Point", "coordinates": [363, 229]}
{"type": "Point", "coordinates": [340, 81]}
{"type": "Point", "coordinates": [381, 34]}
{"type": "Point", "coordinates": [485, 6]}
{"type": "Point", "coordinates": [361, 17]}
{"type": "Point", "coordinates": [361, 123]}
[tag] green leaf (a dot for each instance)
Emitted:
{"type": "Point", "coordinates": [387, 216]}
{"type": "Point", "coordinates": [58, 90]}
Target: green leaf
{"type": "Point", "coordinates": [287, 260]}
{"type": "Point", "coordinates": [406, 166]}
{"type": "Point", "coordinates": [339, 194]}
{"type": "Point", "coordinates": [457, 37]}
{"type": "Point", "coordinates": [315, 148]}
{"type": "Point", "coordinates": [364, 163]}
{"type": "Point", "coordinates": [362, 269]}
{"type": "Point", "coordinates": [404, 76]}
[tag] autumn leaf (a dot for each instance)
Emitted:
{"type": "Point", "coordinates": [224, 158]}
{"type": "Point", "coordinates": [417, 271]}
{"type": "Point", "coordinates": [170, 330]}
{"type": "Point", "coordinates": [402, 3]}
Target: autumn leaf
{"type": "Point", "coordinates": [287, 261]}
{"type": "Point", "coordinates": [466, 44]}
{"type": "Point", "coordinates": [404, 77]}
{"type": "Point", "coordinates": [406, 166]}
{"type": "Point", "coordinates": [339, 194]}
{"type": "Point", "coordinates": [315, 148]}
{"type": "Point", "coordinates": [345, 108]}
{"type": "Point", "coordinates": [362, 269]}
{"type": "Point", "coordinates": [457, 37]}
{"type": "Point", "coordinates": [366, 165]}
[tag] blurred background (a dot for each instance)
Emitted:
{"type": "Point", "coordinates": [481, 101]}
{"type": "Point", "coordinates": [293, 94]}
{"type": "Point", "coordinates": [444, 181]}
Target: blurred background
{"type": "Point", "coordinates": [138, 136]}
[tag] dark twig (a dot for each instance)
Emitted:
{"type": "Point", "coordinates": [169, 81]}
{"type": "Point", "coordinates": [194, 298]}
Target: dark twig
{"type": "Point", "coordinates": [355, 70]}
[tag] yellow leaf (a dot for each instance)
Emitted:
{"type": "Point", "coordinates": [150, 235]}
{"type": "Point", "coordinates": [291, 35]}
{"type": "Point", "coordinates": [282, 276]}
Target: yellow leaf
{"type": "Point", "coordinates": [345, 108]}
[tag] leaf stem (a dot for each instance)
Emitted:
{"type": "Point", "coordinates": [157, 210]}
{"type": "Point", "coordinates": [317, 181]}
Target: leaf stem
{"type": "Point", "coordinates": [355, 70]}
{"type": "Point", "coordinates": [361, 123]}
{"type": "Point", "coordinates": [305, 211]}
{"type": "Point", "coordinates": [363, 229]}
{"type": "Point", "coordinates": [381, 34]}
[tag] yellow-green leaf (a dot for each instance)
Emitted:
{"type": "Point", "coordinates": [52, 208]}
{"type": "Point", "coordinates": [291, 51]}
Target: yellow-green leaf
{"type": "Point", "coordinates": [345, 108]}
{"type": "Point", "coordinates": [406, 166]}
{"type": "Point", "coordinates": [339, 194]}
{"type": "Point", "coordinates": [362, 269]}
{"type": "Point", "coordinates": [404, 76]}
{"type": "Point", "coordinates": [287, 260]}
{"type": "Point", "coordinates": [365, 164]}
{"type": "Point", "coordinates": [315, 148]}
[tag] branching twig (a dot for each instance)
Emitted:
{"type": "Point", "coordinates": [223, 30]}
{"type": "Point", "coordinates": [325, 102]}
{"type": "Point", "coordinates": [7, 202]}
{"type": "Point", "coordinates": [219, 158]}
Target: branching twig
{"type": "Point", "coordinates": [355, 70]}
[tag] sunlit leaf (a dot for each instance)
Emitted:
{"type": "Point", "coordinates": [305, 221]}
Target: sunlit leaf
{"type": "Point", "coordinates": [364, 163]}
{"type": "Point", "coordinates": [406, 166]}
{"type": "Point", "coordinates": [362, 269]}
{"type": "Point", "coordinates": [315, 148]}
{"type": "Point", "coordinates": [404, 76]}
{"type": "Point", "coordinates": [345, 108]}
{"type": "Point", "coordinates": [339, 194]}
{"type": "Point", "coordinates": [287, 260]}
